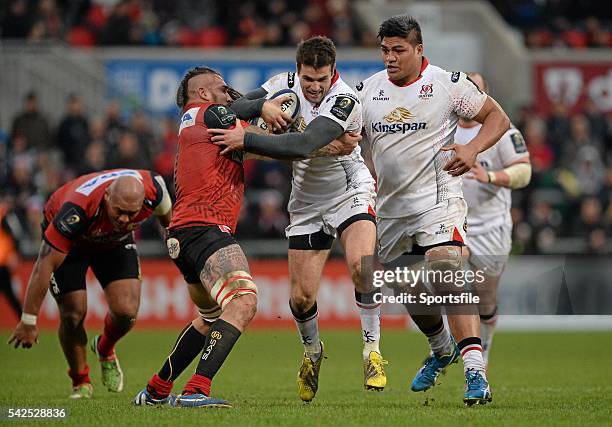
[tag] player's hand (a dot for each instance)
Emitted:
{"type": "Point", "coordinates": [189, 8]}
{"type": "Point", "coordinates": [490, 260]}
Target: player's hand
{"type": "Point", "coordinates": [345, 144]}
{"type": "Point", "coordinates": [24, 335]}
{"type": "Point", "coordinates": [232, 139]}
{"type": "Point", "coordinates": [273, 114]}
{"type": "Point", "coordinates": [478, 173]}
{"type": "Point", "coordinates": [465, 157]}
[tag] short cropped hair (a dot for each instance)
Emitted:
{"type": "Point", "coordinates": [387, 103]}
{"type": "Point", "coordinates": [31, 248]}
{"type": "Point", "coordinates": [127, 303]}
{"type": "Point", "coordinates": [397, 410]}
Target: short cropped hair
{"type": "Point", "coordinates": [401, 26]}
{"type": "Point", "coordinates": [316, 52]}
{"type": "Point", "coordinates": [181, 94]}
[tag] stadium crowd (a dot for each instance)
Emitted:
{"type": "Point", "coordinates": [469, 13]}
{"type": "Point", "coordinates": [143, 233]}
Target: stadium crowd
{"type": "Point", "coordinates": [256, 23]}
{"type": "Point", "coordinates": [560, 23]}
{"type": "Point", "coordinates": [212, 23]}
{"type": "Point", "coordinates": [570, 194]}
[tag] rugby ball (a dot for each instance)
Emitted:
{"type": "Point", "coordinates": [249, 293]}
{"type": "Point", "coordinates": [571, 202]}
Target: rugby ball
{"type": "Point", "coordinates": [291, 106]}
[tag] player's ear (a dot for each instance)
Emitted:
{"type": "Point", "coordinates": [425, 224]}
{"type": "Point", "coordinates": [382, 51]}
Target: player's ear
{"type": "Point", "coordinates": [204, 93]}
{"type": "Point", "coordinates": [419, 49]}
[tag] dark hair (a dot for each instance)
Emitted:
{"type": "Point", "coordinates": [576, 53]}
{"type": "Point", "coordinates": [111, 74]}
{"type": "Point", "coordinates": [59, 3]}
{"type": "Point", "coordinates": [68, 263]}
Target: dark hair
{"type": "Point", "coordinates": [401, 26]}
{"type": "Point", "coordinates": [317, 52]}
{"type": "Point", "coordinates": [181, 93]}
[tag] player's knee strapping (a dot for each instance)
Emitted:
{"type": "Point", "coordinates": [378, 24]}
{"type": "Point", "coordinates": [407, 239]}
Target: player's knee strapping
{"type": "Point", "coordinates": [444, 258]}
{"type": "Point", "coordinates": [232, 285]}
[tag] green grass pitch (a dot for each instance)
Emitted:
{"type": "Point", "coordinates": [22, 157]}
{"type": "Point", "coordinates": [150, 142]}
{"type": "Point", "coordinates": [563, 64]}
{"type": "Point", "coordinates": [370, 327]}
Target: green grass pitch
{"type": "Point", "coordinates": [538, 378]}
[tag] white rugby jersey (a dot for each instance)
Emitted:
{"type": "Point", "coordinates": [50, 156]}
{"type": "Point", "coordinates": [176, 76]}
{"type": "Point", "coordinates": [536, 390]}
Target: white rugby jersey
{"type": "Point", "coordinates": [489, 205]}
{"type": "Point", "coordinates": [406, 127]}
{"type": "Point", "coordinates": [324, 178]}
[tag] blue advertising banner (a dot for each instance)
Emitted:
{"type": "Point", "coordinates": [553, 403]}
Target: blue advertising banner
{"type": "Point", "coordinates": [151, 84]}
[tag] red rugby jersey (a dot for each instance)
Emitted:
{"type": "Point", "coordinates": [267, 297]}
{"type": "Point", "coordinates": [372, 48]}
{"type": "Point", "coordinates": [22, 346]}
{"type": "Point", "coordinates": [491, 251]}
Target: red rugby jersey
{"type": "Point", "coordinates": [209, 187]}
{"type": "Point", "coordinates": [75, 215]}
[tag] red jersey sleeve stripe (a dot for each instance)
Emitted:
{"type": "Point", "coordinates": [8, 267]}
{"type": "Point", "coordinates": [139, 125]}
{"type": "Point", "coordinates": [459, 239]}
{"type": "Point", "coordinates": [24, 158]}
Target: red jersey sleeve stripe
{"type": "Point", "coordinates": [57, 240]}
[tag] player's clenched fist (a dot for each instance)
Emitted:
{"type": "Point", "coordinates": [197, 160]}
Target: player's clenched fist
{"type": "Point", "coordinates": [24, 335]}
{"type": "Point", "coordinates": [273, 114]}
{"type": "Point", "coordinates": [347, 142]}
{"type": "Point", "coordinates": [463, 161]}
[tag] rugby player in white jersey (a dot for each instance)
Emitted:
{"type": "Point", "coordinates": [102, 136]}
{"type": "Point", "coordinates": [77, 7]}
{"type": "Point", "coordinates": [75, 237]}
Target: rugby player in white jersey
{"type": "Point", "coordinates": [410, 113]}
{"type": "Point", "coordinates": [331, 197]}
{"type": "Point", "coordinates": [497, 171]}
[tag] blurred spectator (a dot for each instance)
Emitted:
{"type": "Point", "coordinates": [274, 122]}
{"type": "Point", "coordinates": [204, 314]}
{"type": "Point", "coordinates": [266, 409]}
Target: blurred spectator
{"type": "Point", "coordinates": [117, 30]}
{"type": "Point", "coordinates": [10, 231]}
{"type": "Point", "coordinates": [147, 145]}
{"type": "Point", "coordinates": [95, 158]}
{"type": "Point", "coordinates": [128, 153]}
{"type": "Point", "coordinates": [591, 217]}
{"type": "Point", "coordinates": [558, 127]}
{"type": "Point", "coordinates": [32, 125]}
{"type": "Point", "coordinates": [589, 170]}
{"type": "Point", "coordinates": [164, 161]}
{"type": "Point", "coordinates": [272, 217]}
{"type": "Point", "coordinates": [48, 19]}
{"type": "Point", "coordinates": [16, 22]}
{"type": "Point", "coordinates": [597, 242]}
{"type": "Point", "coordinates": [73, 133]}
{"type": "Point", "coordinates": [579, 137]}
{"type": "Point", "coordinates": [542, 155]}
{"type": "Point", "coordinates": [113, 126]}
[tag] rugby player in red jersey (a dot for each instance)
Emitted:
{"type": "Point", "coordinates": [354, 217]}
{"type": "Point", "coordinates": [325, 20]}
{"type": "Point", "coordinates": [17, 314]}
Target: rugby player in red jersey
{"type": "Point", "coordinates": [209, 192]}
{"type": "Point", "coordinates": [89, 222]}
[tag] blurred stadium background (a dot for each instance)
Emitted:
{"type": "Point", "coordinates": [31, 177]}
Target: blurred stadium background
{"type": "Point", "coordinates": [88, 85]}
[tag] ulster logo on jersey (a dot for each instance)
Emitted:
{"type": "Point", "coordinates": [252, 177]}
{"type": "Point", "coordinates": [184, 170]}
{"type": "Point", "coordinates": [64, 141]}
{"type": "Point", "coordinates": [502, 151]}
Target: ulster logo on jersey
{"type": "Point", "coordinates": [426, 91]}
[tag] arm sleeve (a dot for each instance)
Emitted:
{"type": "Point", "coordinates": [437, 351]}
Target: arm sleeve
{"type": "Point", "coordinates": [320, 132]}
{"type": "Point", "coordinates": [466, 97]}
{"type": "Point", "coordinates": [69, 223]}
{"type": "Point", "coordinates": [250, 105]}
{"type": "Point", "coordinates": [164, 204]}
{"type": "Point", "coordinates": [344, 109]}
{"type": "Point", "coordinates": [512, 147]}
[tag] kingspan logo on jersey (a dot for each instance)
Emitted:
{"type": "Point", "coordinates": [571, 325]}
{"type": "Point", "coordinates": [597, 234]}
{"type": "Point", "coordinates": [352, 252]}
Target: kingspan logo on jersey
{"type": "Point", "coordinates": [399, 121]}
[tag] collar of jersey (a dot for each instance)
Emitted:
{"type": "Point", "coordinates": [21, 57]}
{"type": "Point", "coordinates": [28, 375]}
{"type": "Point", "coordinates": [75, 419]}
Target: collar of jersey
{"type": "Point", "coordinates": [424, 65]}
{"type": "Point", "coordinates": [195, 104]}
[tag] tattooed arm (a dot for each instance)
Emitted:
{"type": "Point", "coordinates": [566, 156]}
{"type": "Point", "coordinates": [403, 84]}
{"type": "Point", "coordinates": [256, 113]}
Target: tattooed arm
{"type": "Point", "coordinates": [49, 259]}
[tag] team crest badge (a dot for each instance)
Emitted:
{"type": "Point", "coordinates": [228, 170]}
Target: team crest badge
{"type": "Point", "coordinates": [174, 247]}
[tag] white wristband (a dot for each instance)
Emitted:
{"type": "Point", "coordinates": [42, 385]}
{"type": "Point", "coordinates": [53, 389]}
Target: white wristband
{"type": "Point", "coordinates": [28, 319]}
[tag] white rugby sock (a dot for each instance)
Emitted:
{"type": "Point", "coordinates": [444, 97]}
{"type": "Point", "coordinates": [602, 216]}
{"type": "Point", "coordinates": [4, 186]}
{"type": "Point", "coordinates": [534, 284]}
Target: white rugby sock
{"type": "Point", "coordinates": [369, 314]}
{"type": "Point", "coordinates": [308, 327]}
{"type": "Point", "coordinates": [471, 352]}
{"type": "Point", "coordinates": [440, 341]}
{"type": "Point", "coordinates": [487, 330]}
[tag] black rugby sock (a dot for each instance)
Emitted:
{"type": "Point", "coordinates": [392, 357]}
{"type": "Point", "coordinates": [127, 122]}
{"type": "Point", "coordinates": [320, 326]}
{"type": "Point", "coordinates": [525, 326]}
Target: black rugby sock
{"type": "Point", "coordinates": [219, 343]}
{"type": "Point", "coordinates": [189, 343]}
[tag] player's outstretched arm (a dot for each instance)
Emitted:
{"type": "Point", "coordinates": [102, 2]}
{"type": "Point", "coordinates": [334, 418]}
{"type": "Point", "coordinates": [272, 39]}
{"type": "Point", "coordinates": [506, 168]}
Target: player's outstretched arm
{"type": "Point", "coordinates": [515, 176]}
{"type": "Point", "coordinates": [249, 106]}
{"type": "Point", "coordinates": [254, 104]}
{"type": "Point", "coordinates": [291, 146]}
{"type": "Point", "coordinates": [49, 259]}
